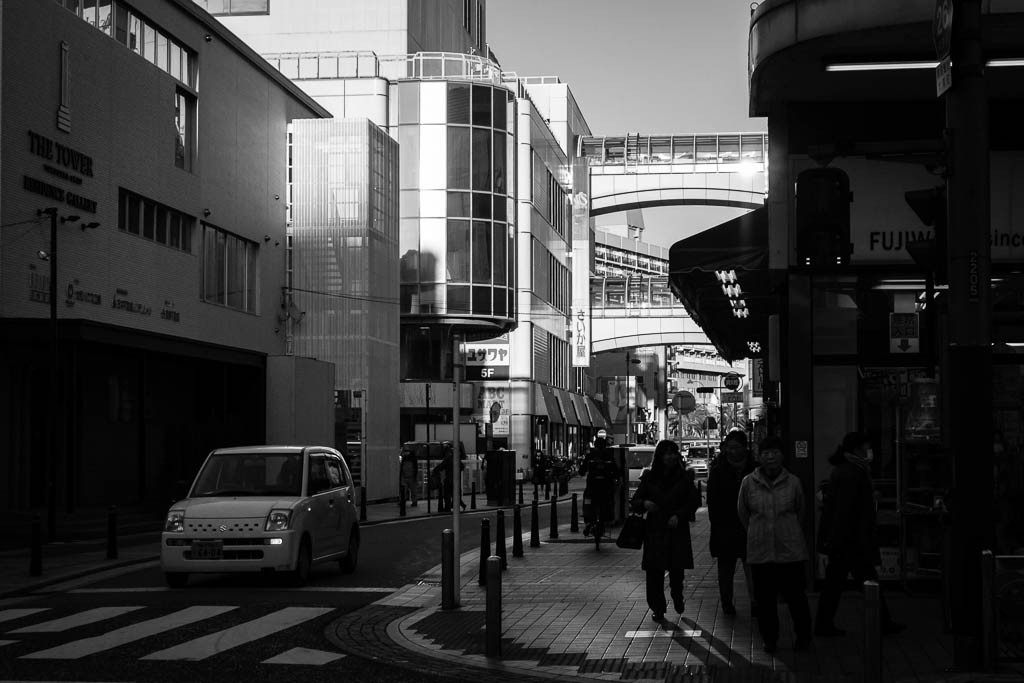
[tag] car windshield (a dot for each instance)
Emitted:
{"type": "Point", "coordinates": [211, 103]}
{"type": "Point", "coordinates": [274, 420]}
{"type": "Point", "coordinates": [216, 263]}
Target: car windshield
{"type": "Point", "coordinates": [250, 474]}
{"type": "Point", "coordinates": [639, 459]}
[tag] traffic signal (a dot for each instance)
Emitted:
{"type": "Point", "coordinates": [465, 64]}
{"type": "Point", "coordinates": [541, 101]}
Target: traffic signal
{"type": "Point", "coordinates": [823, 218]}
{"type": "Point", "coordinates": [930, 207]}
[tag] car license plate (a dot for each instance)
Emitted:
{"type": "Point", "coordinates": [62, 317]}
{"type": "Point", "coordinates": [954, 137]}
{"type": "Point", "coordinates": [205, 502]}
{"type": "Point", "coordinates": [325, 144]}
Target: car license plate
{"type": "Point", "coordinates": [207, 550]}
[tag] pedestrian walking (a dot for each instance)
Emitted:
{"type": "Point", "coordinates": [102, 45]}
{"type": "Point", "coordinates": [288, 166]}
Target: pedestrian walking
{"type": "Point", "coordinates": [847, 535]}
{"type": "Point", "coordinates": [668, 495]}
{"type": "Point", "coordinates": [770, 505]}
{"type": "Point", "coordinates": [602, 472]}
{"type": "Point", "coordinates": [409, 473]}
{"type": "Point", "coordinates": [728, 537]}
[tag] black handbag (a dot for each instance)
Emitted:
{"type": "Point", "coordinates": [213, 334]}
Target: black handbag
{"type": "Point", "coordinates": [631, 535]}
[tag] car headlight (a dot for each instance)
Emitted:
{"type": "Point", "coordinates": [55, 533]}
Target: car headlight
{"type": "Point", "coordinates": [175, 521]}
{"type": "Point", "coordinates": [278, 520]}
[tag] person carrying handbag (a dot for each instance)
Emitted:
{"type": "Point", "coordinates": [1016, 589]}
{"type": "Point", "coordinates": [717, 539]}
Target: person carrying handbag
{"type": "Point", "coordinates": [668, 494]}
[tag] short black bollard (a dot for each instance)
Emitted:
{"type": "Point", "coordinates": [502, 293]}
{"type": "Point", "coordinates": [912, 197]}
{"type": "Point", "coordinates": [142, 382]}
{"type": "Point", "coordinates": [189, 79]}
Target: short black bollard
{"type": "Point", "coordinates": [517, 531]}
{"type": "Point", "coordinates": [472, 497]}
{"type": "Point", "coordinates": [112, 532]}
{"type": "Point", "coordinates": [401, 500]}
{"type": "Point", "coordinates": [499, 540]}
{"type": "Point", "coordinates": [574, 514]}
{"type": "Point", "coordinates": [553, 533]}
{"type": "Point", "coordinates": [362, 503]}
{"type": "Point", "coordinates": [485, 549]}
{"type": "Point", "coordinates": [520, 491]}
{"type": "Point", "coordinates": [35, 563]}
{"type": "Point", "coordinates": [535, 524]}
{"type": "Point", "coordinates": [492, 619]}
{"type": "Point", "coordinates": [447, 569]}
{"type": "Point", "coordinates": [872, 632]}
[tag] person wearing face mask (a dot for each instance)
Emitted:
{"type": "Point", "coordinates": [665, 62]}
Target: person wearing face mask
{"type": "Point", "coordinates": [770, 505]}
{"type": "Point", "coordinates": [728, 537]}
{"type": "Point", "coordinates": [847, 535]}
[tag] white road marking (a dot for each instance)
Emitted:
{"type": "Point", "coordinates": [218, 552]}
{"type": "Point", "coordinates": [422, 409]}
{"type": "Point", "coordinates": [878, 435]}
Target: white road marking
{"type": "Point", "coordinates": [308, 589]}
{"type": "Point", "coordinates": [7, 642]}
{"type": "Point", "coordinates": [128, 634]}
{"type": "Point", "coordinates": [11, 614]}
{"type": "Point", "coordinates": [207, 646]}
{"type": "Point", "coordinates": [97, 577]}
{"type": "Point", "coordinates": [302, 655]}
{"type": "Point", "coordinates": [682, 633]}
{"type": "Point", "coordinates": [89, 616]}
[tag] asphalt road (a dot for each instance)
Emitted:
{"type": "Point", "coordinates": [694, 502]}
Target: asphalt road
{"type": "Point", "coordinates": [131, 627]}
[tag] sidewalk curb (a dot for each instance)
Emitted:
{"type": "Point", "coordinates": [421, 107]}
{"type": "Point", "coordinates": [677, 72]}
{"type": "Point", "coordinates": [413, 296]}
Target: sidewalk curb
{"type": "Point", "coordinates": [71, 576]}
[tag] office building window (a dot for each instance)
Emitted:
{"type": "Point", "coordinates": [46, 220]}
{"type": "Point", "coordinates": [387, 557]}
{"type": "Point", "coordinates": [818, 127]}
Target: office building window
{"type": "Point", "coordinates": [235, 7]}
{"type": "Point", "coordinates": [123, 23]}
{"type": "Point", "coordinates": [154, 221]}
{"type": "Point", "coordinates": [184, 129]}
{"type": "Point", "coordinates": [230, 270]}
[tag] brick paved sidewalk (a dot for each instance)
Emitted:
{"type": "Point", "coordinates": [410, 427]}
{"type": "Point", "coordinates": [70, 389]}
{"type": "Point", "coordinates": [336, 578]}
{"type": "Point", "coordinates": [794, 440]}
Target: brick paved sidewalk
{"type": "Point", "coordinates": [572, 613]}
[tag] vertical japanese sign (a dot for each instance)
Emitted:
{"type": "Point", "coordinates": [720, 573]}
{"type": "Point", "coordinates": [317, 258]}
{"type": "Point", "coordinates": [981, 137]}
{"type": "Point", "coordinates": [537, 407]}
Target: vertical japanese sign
{"type": "Point", "coordinates": [579, 325]}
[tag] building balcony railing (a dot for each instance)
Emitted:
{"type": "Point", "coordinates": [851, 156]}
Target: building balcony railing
{"type": "Point", "coordinates": [450, 66]}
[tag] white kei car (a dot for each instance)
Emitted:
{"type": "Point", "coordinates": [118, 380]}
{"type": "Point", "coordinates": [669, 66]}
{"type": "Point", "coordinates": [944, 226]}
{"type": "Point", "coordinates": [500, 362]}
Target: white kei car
{"type": "Point", "coordinates": [263, 508]}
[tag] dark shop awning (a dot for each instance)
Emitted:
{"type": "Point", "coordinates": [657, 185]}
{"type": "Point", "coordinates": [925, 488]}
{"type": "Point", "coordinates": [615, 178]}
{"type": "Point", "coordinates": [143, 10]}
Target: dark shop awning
{"type": "Point", "coordinates": [551, 404]}
{"type": "Point", "coordinates": [568, 409]}
{"type": "Point", "coordinates": [721, 276]}
{"type": "Point", "coordinates": [579, 404]}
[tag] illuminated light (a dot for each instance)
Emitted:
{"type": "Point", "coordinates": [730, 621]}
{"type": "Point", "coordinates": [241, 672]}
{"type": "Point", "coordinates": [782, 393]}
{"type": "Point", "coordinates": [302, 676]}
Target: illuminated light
{"type": "Point", "coordinates": [1005, 62]}
{"type": "Point", "coordinates": [738, 303]}
{"type": "Point", "coordinates": [732, 291]}
{"type": "Point", "coordinates": [726, 276]}
{"type": "Point", "coordinates": [881, 66]}
{"type": "Point", "coordinates": [275, 541]}
{"type": "Point", "coordinates": [754, 346]}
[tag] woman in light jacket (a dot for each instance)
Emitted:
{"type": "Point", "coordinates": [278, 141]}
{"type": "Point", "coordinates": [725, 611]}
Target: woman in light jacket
{"type": "Point", "coordinates": [770, 506]}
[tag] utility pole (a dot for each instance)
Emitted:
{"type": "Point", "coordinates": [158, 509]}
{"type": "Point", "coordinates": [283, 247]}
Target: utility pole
{"type": "Point", "coordinates": [968, 358]}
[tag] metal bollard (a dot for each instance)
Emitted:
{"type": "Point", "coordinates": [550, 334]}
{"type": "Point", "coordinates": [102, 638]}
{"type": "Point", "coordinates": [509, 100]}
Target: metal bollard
{"type": "Point", "coordinates": [499, 540]}
{"type": "Point", "coordinates": [447, 569]}
{"type": "Point", "coordinates": [472, 497]}
{"type": "Point", "coordinates": [520, 491]}
{"type": "Point", "coordinates": [35, 563]}
{"type": "Point", "coordinates": [401, 500]}
{"type": "Point", "coordinates": [535, 524]}
{"type": "Point", "coordinates": [492, 619]}
{"type": "Point", "coordinates": [553, 533]}
{"type": "Point", "coordinates": [485, 549]}
{"type": "Point", "coordinates": [362, 503]}
{"type": "Point", "coordinates": [989, 639]}
{"type": "Point", "coordinates": [517, 531]}
{"type": "Point", "coordinates": [872, 632]}
{"type": "Point", "coordinates": [112, 532]}
{"type": "Point", "coordinates": [574, 514]}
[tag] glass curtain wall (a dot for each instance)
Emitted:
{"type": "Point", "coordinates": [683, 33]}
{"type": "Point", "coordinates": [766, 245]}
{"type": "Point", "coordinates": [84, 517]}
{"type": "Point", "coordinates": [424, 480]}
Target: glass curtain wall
{"type": "Point", "coordinates": [456, 241]}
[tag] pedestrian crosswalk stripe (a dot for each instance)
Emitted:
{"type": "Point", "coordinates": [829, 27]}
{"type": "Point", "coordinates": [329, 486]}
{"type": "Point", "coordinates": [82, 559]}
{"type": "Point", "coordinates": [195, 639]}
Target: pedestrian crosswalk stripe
{"type": "Point", "coordinates": [11, 614]}
{"type": "Point", "coordinates": [89, 616]}
{"type": "Point", "coordinates": [128, 634]}
{"type": "Point", "coordinates": [207, 646]}
{"type": "Point", "coordinates": [7, 642]}
{"type": "Point", "coordinates": [302, 655]}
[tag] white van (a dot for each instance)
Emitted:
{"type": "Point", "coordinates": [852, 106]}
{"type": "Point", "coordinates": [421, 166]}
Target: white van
{"type": "Point", "coordinates": [638, 460]}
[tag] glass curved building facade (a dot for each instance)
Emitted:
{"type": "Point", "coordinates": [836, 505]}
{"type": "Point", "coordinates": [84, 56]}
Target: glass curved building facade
{"type": "Point", "coordinates": [457, 236]}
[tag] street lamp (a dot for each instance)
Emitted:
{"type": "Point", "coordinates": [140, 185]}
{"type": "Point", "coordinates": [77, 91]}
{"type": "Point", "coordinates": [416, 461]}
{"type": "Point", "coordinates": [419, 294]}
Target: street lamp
{"type": "Point", "coordinates": [56, 388]}
{"type": "Point", "coordinates": [629, 408]}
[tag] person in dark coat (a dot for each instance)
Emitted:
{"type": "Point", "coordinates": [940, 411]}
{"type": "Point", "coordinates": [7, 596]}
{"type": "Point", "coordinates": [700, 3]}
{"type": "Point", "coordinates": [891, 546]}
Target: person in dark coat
{"type": "Point", "coordinates": [668, 495]}
{"type": "Point", "coordinates": [847, 534]}
{"type": "Point", "coordinates": [602, 473]}
{"type": "Point", "coordinates": [728, 537]}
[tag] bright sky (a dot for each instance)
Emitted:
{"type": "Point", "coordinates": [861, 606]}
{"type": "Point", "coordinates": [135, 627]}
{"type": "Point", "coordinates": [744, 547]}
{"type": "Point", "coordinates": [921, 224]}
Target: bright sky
{"type": "Point", "coordinates": [647, 66]}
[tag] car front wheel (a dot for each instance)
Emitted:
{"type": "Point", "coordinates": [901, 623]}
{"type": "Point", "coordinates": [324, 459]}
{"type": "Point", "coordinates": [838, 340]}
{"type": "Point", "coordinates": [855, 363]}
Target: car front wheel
{"type": "Point", "coordinates": [176, 579]}
{"type": "Point", "coordinates": [348, 563]}
{"type": "Point", "coordinates": [303, 564]}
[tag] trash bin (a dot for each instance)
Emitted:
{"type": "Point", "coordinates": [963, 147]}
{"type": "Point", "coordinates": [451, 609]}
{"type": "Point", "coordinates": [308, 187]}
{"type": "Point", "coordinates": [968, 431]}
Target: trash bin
{"type": "Point", "coordinates": [500, 477]}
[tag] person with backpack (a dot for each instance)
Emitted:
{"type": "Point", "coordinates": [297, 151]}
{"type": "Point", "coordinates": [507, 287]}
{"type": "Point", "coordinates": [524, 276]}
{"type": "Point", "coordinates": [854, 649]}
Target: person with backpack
{"type": "Point", "coordinates": [847, 534]}
{"type": "Point", "coordinates": [602, 473]}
